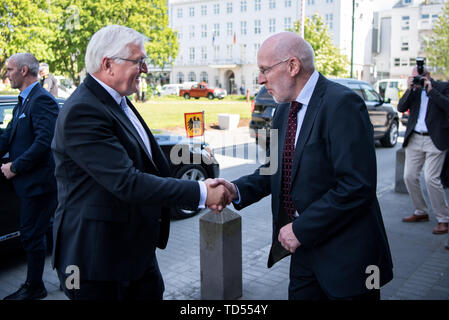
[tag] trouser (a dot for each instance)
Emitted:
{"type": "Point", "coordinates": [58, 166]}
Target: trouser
{"type": "Point", "coordinates": [305, 286]}
{"type": "Point", "coordinates": [421, 152]}
{"type": "Point", "coordinates": [148, 287]}
{"type": "Point", "coordinates": [35, 215]}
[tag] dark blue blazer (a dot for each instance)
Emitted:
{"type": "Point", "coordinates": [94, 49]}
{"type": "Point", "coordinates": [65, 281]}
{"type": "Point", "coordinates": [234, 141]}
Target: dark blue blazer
{"type": "Point", "coordinates": [333, 186]}
{"type": "Point", "coordinates": [27, 139]}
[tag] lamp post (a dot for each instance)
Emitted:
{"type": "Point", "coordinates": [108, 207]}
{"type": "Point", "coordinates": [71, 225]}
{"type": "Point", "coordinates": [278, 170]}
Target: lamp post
{"type": "Point", "coordinates": [302, 17]}
{"type": "Point", "coordinates": [352, 40]}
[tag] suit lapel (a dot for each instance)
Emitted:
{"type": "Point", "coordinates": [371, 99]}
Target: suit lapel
{"type": "Point", "coordinates": [116, 110]}
{"type": "Point", "coordinates": [309, 119]}
{"type": "Point", "coordinates": [283, 110]}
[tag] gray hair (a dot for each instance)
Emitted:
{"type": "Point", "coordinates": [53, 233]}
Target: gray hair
{"type": "Point", "coordinates": [26, 59]}
{"type": "Point", "coordinates": [111, 41]}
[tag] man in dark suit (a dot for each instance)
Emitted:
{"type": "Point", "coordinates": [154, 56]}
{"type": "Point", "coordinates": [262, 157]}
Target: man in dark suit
{"type": "Point", "coordinates": [425, 142]}
{"type": "Point", "coordinates": [114, 188]}
{"type": "Point", "coordinates": [324, 204]}
{"type": "Point", "coordinates": [31, 168]}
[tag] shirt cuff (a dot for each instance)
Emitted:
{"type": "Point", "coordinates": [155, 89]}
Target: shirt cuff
{"type": "Point", "coordinates": [203, 195]}
{"type": "Point", "coordinates": [239, 199]}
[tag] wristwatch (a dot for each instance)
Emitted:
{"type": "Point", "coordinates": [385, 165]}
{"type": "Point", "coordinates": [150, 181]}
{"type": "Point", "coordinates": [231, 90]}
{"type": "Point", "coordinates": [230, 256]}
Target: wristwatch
{"type": "Point", "coordinates": [12, 168]}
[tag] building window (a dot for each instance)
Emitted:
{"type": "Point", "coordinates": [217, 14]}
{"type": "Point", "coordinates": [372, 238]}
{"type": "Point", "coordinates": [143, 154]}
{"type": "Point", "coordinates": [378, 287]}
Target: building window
{"type": "Point", "coordinates": [229, 7]}
{"type": "Point", "coordinates": [203, 10]}
{"type": "Point", "coordinates": [192, 11]}
{"type": "Point", "coordinates": [257, 5]}
{"type": "Point", "coordinates": [310, 2]}
{"type": "Point", "coordinates": [179, 32]}
{"type": "Point", "coordinates": [180, 13]}
{"type": "Point", "coordinates": [330, 20]}
{"type": "Point", "coordinates": [192, 76]}
{"type": "Point", "coordinates": [203, 53]}
{"type": "Point", "coordinates": [243, 6]}
{"type": "Point", "coordinates": [204, 31]}
{"type": "Point", "coordinates": [412, 62]}
{"type": "Point", "coordinates": [272, 25]}
{"type": "Point", "coordinates": [204, 77]}
{"type": "Point", "coordinates": [404, 44]}
{"type": "Point", "coordinates": [425, 16]}
{"type": "Point", "coordinates": [228, 51]}
{"type": "Point", "coordinates": [216, 29]}
{"type": "Point", "coordinates": [256, 48]}
{"type": "Point", "coordinates": [257, 28]}
{"type": "Point", "coordinates": [288, 3]}
{"type": "Point", "coordinates": [405, 23]}
{"type": "Point", "coordinates": [191, 32]}
{"type": "Point", "coordinates": [243, 27]}
{"type": "Point", "coordinates": [192, 54]}
{"type": "Point", "coordinates": [243, 52]}
{"type": "Point", "coordinates": [397, 62]}
{"type": "Point", "coordinates": [287, 24]}
{"type": "Point", "coordinates": [229, 29]}
{"type": "Point", "coordinates": [180, 77]}
{"type": "Point", "coordinates": [272, 4]}
{"type": "Point", "coordinates": [217, 8]}
{"type": "Point", "coordinates": [217, 82]}
{"type": "Point", "coordinates": [329, 1]}
{"type": "Point", "coordinates": [216, 52]}
{"type": "Point", "coordinates": [404, 62]}
{"type": "Point", "coordinates": [407, 1]}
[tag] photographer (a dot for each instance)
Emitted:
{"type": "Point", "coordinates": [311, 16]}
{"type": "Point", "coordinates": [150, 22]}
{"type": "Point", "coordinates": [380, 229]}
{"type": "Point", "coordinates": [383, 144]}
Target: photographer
{"type": "Point", "coordinates": [426, 140]}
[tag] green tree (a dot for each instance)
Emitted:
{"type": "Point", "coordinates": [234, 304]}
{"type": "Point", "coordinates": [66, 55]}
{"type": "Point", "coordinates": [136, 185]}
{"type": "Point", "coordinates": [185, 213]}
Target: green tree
{"type": "Point", "coordinates": [24, 27]}
{"type": "Point", "coordinates": [328, 59]}
{"type": "Point", "coordinates": [78, 20]}
{"type": "Point", "coordinates": [437, 45]}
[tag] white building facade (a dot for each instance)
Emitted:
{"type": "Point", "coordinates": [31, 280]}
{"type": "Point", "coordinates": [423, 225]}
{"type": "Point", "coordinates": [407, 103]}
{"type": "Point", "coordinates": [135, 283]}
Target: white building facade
{"type": "Point", "coordinates": [219, 40]}
{"type": "Point", "coordinates": [402, 32]}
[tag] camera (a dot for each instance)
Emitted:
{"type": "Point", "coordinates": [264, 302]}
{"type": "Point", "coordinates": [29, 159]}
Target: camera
{"type": "Point", "coordinates": [419, 80]}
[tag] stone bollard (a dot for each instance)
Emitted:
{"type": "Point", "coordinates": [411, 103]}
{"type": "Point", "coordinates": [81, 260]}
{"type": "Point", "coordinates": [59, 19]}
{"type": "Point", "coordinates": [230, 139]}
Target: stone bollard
{"type": "Point", "coordinates": [400, 164]}
{"type": "Point", "coordinates": [221, 255]}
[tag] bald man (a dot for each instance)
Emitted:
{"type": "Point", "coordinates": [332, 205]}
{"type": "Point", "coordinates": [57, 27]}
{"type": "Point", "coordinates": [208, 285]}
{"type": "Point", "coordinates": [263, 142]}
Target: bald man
{"type": "Point", "coordinates": [324, 204]}
{"type": "Point", "coordinates": [426, 140]}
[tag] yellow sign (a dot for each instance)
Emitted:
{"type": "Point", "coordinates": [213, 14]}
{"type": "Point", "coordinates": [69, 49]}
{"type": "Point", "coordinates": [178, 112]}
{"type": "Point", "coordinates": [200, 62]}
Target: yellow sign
{"type": "Point", "coordinates": [194, 123]}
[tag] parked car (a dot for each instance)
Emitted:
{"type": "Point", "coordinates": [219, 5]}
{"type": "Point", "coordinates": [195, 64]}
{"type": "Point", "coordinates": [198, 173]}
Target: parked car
{"type": "Point", "coordinates": [391, 89]}
{"type": "Point", "coordinates": [202, 90]}
{"type": "Point", "coordinates": [207, 168]}
{"type": "Point", "coordinates": [383, 115]}
{"type": "Point", "coordinates": [171, 89]}
{"type": "Point", "coordinates": [65, 87]}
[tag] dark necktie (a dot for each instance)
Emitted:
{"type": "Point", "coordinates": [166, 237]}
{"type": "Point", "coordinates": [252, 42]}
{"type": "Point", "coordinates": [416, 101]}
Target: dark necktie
{"type": "Point", "coordinates": [287, 158]}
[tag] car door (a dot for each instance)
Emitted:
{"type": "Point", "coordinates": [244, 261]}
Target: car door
{"type": "Point", "coordinates": [377, 113]}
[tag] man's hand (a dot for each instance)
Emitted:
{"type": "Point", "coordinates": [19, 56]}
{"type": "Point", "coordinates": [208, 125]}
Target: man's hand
{"type": "Point", "coordinates": [218, 197]}
{"type": "Point", "coordinates": [6, 170]}
{"type": "Point", "coordinates": [288, 239]}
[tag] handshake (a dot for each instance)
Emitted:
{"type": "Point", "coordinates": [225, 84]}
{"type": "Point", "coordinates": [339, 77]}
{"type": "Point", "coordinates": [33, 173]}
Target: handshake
{"type": "Point", "coordinates": [220, 193]}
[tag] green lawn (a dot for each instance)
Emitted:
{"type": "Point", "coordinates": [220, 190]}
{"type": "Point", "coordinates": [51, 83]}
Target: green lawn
{"type": "Point", "coordinates": [166, 113]}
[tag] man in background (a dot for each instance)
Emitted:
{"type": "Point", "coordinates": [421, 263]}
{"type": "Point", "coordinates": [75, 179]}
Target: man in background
{"type": "Point", "coordinates": [48, 81]}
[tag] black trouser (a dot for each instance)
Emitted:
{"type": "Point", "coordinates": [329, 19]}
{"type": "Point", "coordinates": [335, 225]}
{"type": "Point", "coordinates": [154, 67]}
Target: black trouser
{"type": "Point", "coordinates": [304, 285]}
{"type": "Point", "coordinates": [35, 215]}
{"type": "Point", "coordinates": [148, 287]}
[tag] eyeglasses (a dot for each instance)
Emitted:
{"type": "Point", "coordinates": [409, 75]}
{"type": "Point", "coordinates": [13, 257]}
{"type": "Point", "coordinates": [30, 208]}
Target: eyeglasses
{"type": "Point", "coordinates": [263, 71]}
{"type": "Point", "coordinates": [141, 62]}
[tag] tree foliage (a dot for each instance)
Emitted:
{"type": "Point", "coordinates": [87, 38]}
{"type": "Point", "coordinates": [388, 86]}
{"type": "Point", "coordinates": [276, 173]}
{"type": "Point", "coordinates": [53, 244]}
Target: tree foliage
{"type": "Point", "coordinates": [24, 27]}
{"type": "Point", "coordinates": [58, 31]}
{"type": "Point", "coordinates": [328, 59]}
{"type": "Point", "coordinates": [437, 46]}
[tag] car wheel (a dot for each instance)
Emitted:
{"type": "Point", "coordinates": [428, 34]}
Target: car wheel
{"type": "Point", "coordinates": [391, 138]}
{"type": "Point", "coordinates": [192, 173]}
{"type": "Point", "coordinates": [186, 96]}
{"type": "Point", "coordinates": [210, 96]}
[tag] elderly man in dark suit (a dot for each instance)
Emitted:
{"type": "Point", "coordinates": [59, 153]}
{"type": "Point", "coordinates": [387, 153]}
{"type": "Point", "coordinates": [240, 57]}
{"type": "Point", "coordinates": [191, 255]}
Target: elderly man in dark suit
{"type": "Point", "coordinates": [425, 142]}
{"type": "Point", "coordinates": [324, 204]}
{"type": "Point", "coordinates": [27, 139]}
{"type": "Point", "coordinates": [114, 188]}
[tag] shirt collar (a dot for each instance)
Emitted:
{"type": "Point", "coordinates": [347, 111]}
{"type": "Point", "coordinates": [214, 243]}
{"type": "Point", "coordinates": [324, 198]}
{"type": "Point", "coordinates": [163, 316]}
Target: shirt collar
{"type": "Point", "coordinates": [306, 93]}
{"type": "Point", "coordinates": [114, 94]}
{"type": "Point", "coordinates": [25, 93]}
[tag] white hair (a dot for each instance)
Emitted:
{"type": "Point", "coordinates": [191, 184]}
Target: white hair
{"type": "Point", "coordinates": [26, 59]}
{"type": "Point", "coordinates": [111, 41]}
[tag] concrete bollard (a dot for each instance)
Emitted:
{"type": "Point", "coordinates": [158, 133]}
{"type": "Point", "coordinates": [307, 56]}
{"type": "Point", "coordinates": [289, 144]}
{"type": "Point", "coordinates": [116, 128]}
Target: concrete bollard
{"type": "Point", "coordinates": [221, 255]}
{"type": "Point", "coordinates": [399, 186]}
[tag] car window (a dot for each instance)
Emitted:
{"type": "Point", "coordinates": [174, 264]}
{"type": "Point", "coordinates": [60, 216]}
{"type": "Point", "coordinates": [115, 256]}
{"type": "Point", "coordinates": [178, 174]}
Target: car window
{"type": "Point", "coordinates": [393, 84]}
{"type": "Point", "coordinates": [5, 115]}
{"type": "Point", "coordinates": [356, 88]}
{"type": "Point", "coordinates": [370, 94]}
{"type": "Point", "coordinates": [382, 85]}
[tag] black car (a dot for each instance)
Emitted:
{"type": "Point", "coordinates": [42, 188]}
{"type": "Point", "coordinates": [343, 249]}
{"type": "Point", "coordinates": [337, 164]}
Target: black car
{"type": "Point", "coordinates": [200, 165]}
{"type": "Point", "coordinates": [383, 115]}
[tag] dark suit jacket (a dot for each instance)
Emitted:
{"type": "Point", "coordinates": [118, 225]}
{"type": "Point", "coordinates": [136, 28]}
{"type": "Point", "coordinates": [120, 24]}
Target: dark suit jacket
{"type": "Point", "coordinates": [333, 186]}
{"type": "Point", "coordinates": [27, 139]}
{"type": "Point", "coordinates": [437, 117]}
{"type": "Point", "coordinates": [113, 198]}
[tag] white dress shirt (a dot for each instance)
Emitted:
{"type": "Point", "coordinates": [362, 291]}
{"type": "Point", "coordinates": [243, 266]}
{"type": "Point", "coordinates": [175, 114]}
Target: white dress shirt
{"type": "Point", "coordinates": [121, 101]}
{"type": "Point", "coordinates": [421, 123]}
